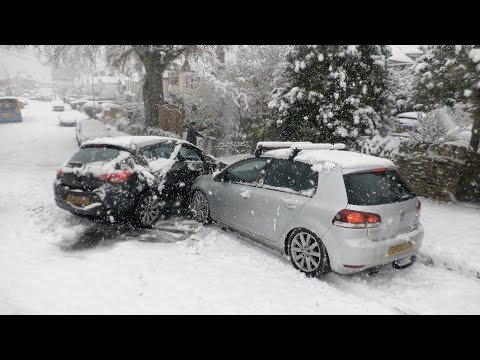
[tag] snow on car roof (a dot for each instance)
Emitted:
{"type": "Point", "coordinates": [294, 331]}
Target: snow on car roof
{"type": "Point", "coordinates": [343, 159]}
{"type": "Point", "coordinates": [130, 142]}
{"type": "Point", "coordinates": [8, 98]}
{"type": "Point", "coordinates": [408, 115]}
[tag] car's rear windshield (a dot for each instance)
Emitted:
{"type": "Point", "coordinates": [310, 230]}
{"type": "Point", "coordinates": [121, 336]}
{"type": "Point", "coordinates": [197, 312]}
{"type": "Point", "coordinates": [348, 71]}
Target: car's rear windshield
{"type": "Point", "coordinates": [376, 188]}
{"type": "Point", "coordinates": [8, 104]}
{"type": "Point", "coordinates": [94, 154]}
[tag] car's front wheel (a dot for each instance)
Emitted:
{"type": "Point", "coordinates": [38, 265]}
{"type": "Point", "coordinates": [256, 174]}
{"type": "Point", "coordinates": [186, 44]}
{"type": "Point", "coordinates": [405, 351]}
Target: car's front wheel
{"type": "Point", "coordinates": [200, 208]}
{"type": "Point", "coordinates": [307, 253]}
{"type": "Point", "coordinates": [147, 210]}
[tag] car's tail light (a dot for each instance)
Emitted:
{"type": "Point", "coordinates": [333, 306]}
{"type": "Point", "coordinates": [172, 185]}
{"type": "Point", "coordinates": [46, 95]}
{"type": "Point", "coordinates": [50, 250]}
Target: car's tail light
{"type": "Point", "coordinates": [356, 219]}
{"type": "Point", "coordinates": [59, 173]}
{"type": "Point", "coordinates": [419, 207]}
{"type": "Point", "coordinates": [379, 170]}
{"type": "Point", "coordinates": [118, 176]}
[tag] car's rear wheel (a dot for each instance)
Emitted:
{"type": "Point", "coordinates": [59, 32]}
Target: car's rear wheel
{"type": "Point", "coordinates": [307, 253]}
{"type": "Point", "coordinates": [147, 210]}
{"type": "Point", "coordinates": [200, 207]}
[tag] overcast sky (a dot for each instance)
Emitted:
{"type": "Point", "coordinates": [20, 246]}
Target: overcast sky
{"type": "Point", "coordinates": [12, 61]}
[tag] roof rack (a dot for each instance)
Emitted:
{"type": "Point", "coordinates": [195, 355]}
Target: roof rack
{"type": "Point", "coordinates": [295, 147]}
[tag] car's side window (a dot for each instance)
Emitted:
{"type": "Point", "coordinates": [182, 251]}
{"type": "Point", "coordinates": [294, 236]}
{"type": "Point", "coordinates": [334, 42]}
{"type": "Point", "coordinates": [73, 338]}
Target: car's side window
{"type": "Point", "coordinates": [147, 153]}
{"type": "Point", "coordinates": [245, 171]}
{"type": "Point", "coordinates": [163, 151]}
{"type": "Point", "coordinates": [189, 154]}
{"type": "Point", "coordinates": [291, 176]}
{"type": "Point", "coordinates": [308, 181]}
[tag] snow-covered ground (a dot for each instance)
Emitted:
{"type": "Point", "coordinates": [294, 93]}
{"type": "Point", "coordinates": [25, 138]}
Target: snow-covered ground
{"type": "Point", "coordinates": [52, 262]}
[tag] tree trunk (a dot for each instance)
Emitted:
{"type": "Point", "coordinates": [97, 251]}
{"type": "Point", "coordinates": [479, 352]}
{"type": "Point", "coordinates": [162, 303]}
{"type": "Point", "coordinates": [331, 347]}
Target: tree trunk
{"type": "Point", "coordinates": [469, 186]}
{"type": "Point", "coordinates": [153, 96]}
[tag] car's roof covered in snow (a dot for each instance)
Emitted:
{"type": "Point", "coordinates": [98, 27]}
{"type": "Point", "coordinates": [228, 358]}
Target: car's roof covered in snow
{"type": "Point", "coordinates": [132, 142]}
{"type": "Point", "coordinates": [8, 98]}
{"type": "Point", "coordinates": [340, 158]}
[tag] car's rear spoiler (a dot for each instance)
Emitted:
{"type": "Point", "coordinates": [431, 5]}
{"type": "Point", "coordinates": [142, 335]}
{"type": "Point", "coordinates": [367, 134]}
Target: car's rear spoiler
{"type": "Point", "coordinates": [295, 147]}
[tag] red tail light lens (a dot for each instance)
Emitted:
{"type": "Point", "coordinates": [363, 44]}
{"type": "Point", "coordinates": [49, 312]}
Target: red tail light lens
{"type": "Point", "coordinates": [117, 176]}
{"type": "Point", "coordinates": [59, 173]}
{"type": "Point", "coordinates": [379, 170]}
{"type": "Point", "coordinates": [356, 219]}
{"type": "Point", "coordinates": [419, 208]}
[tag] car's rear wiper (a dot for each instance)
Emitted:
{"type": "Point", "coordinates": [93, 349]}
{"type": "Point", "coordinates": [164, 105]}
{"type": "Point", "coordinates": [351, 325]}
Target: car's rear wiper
{"type": "Point", "coordinates": [76, 164]}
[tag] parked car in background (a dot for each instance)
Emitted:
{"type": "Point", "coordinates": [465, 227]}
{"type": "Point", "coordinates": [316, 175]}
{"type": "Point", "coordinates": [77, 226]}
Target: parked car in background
{"type": "Point", "coordinates": [70, 118]}
{"type": "Point", "coordinates": [88, 129]}
{"type": "Point", "coordinates": [10, 109]}
{"type": "Point", "coordinates": [58, 106]}
{"type": "Point", "coordinates": [323, 208]}
{"type": "Point", "coordinates": [131, 178]}
{"type": "Point", "coordinates": [406, 123]}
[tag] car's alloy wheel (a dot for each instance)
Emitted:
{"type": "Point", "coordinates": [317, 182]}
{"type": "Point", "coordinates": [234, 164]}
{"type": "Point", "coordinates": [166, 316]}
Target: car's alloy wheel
{"type": "Point", "coordinates": [307, 253]}
{"type": "Point", "coordinates": [147, 211]}
{"type": "Point", "coordinates": [200, 207]}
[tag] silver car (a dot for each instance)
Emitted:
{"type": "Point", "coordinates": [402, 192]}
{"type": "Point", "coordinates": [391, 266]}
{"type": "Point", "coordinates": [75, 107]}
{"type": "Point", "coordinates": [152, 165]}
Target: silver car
{"type": "Point", "coordinates": [323, 208]}
{"type": "Point", "coordinates": [88, 129]}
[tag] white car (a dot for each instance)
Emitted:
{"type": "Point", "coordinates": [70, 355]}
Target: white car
{"type": "Point", "coordinates": [323, 208]}
{"type": "Point", "coordinates": [58, 106]}
{"type": "Point", "coordinates": [70, 118]}
{"type": "Point", "coordinates": [88, 129]}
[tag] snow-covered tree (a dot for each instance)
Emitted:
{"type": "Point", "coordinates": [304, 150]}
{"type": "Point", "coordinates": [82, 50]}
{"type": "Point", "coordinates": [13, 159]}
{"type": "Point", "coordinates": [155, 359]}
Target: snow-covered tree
{"type": "Point", "coordinates": [230, 97]}
{"type": "Point", "coordinates": [154, 60]}
{"type": "Point", "coordinates": [333, 92]}
{"type": "Point", "coordinates": [402, 83]}
{"type": "Point", "coordinates": [449, 75]}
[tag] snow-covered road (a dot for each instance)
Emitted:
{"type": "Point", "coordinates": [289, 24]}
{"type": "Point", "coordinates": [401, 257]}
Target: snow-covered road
{"type": "Point", "coordinates": [52, 262]}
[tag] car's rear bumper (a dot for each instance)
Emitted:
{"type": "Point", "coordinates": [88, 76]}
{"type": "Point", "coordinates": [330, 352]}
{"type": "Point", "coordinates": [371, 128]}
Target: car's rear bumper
{"type": "Point", "coordinates": [111, 202]}
{"type": "Point", "coordinates": [354, 252]}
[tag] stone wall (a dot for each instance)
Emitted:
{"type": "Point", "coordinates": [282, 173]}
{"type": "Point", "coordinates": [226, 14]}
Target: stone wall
{"type": "Point", "coordinates": [433, 171]}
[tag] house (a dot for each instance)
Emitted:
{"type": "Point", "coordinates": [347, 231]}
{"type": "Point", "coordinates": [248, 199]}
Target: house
{"type": "Point", "coordinates": [399, 58]}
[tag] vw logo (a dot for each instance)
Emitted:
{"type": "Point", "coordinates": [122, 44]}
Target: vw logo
{"type": "Point", "coordinates": [402, 215]}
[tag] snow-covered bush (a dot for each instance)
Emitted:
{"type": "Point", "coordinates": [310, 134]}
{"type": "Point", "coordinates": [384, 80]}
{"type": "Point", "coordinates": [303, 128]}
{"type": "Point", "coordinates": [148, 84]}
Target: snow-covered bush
{"type": "Point", "coordinates": [442, 125]}
{"type": "Point", "coordinates": [92, 109]}
{"type": "Point", "coordinates": [385, 147]}
{"type": "Point", "coordinates": [133, 112]}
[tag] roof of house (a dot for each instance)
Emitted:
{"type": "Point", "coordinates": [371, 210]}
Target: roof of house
{"type": "Point", "coordinates": [398, 56]}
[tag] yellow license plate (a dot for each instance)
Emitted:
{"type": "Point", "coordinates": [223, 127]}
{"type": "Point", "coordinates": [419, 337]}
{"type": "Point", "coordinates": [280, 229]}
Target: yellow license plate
{"type": "Point", "coordinates": [78, 200]}
{"type": "Point", "coordinates": [398, 249]}
{"type": "Point", "coordinates": [8, 115]}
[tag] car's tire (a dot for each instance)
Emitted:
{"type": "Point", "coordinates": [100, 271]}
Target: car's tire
{"type": "Point", "coordinates": [200, 207]}
{"type": "Point", "coordinates": [308, 253]}
{"type": "Point", "coordinates": [147, 210]}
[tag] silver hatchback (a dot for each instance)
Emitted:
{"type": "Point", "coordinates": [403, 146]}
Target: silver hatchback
{"type": "Point", "coordinates": [323, 208]}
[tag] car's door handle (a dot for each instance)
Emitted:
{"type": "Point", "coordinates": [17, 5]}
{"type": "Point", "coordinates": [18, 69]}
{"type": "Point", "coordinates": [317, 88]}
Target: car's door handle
{"type": "Point", "coordinates": [289, 205]}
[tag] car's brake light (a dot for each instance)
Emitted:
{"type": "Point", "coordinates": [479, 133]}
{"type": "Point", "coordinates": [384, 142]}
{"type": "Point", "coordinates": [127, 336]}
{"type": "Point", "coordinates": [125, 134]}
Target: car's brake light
{"type": "Point", "coordinates": [118, 176]}
{"type": "Point", "coordinates": [59, 173]}
{"type": "Point", "coordinates": [419, 207]}
{"type": "Point", "coordinates": [379, 170]}
{"type": "Point", "coordinates": [356, 219]}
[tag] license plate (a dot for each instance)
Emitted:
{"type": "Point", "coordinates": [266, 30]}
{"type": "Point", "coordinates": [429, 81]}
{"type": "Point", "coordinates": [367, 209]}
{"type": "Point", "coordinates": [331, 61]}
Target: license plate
{"type": "Point", "coordinates": [8, 115]}
{"type": "Point", "coordinates": [398, 249]}
{"type": "Point", "coordinates": [78, 200]}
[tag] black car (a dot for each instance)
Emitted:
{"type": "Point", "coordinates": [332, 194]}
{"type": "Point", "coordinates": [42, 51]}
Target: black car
{"type": "Point", "coordinates": [131, 178]}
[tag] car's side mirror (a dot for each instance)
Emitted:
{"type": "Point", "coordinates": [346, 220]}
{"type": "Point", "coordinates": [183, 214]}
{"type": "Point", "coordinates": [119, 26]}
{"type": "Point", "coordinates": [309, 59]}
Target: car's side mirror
{"type": "Point", "coordinates": [219, 176]}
